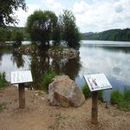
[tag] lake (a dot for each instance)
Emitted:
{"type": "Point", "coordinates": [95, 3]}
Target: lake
{"type": "Point", "coordinates": [108, 57]}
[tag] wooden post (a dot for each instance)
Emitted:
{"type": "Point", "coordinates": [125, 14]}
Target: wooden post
{"type": "Point", "coordinates": [21, 96]}
{"type": "Point", "coordinates": [95, 107]}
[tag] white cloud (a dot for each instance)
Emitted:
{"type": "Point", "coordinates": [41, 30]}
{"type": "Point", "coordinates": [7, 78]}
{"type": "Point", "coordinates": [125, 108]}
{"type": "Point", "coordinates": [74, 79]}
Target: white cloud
{"type": "Point", "coordinates": [54, 5]}
{"type": "Point", "coordinates": [100, 16]}
{"type": "Point", "coordinates": [91, 15]}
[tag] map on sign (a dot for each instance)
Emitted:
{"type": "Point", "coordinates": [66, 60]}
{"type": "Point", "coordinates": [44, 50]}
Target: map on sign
{"type": "Point", "coordinates": [97, 82]}
{"type": "Point", "coordinates": [21, 77]}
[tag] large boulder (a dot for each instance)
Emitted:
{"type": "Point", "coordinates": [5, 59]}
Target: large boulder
{"type": "Point", "coordinates": [64, 92]}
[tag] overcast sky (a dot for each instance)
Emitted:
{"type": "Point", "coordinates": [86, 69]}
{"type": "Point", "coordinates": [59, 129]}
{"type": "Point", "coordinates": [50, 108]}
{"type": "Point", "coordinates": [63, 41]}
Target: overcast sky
{"type": "Point", "coordinates": [91, 15]}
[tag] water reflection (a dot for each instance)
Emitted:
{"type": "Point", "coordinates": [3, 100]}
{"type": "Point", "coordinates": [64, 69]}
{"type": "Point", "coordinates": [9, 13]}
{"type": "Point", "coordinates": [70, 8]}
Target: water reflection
{"type": "Point", "coordinates": [41, 63]}
{"type": "Point", "coordinates": [17, 59]}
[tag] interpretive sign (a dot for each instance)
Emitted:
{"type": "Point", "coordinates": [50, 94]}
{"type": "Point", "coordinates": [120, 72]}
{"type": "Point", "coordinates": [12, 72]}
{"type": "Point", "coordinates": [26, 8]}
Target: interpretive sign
{"type": "Point", "coordinates": [97, 82]}
{"type": "Point", "coordinates": [21, 77]}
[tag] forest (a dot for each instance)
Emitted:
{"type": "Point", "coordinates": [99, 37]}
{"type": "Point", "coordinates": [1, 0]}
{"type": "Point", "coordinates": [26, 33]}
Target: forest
{"type": "Point", "coordinates": [110, 35]}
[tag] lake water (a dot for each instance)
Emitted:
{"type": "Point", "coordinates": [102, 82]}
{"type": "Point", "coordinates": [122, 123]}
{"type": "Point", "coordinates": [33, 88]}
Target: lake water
{"type": "Point", "coordinates": [108, 57]}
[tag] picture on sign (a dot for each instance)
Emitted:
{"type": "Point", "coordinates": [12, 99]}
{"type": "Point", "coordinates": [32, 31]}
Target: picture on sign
{"type": "Point", "coordinates": [97, 82]}
{"type": "Point", "coordinates": [21, 77]}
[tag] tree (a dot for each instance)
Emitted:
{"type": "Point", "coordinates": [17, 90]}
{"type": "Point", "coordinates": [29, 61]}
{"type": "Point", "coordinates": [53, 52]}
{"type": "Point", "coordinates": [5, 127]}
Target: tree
{"type": "Point", "coordinates": [70, 32]}
{"type": "Point", "coordinates": [17, 37]}
{"type": "Point", "coordinates": [4, 34]}
{"type": "Point", "coordinates": [41, 26]}
{"type": "Point", "coordinates": [7, 8]}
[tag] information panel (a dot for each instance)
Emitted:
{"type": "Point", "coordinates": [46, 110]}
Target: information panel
{"type": "Point", "coordinates": [21, 77]}
{"type": "Point", "coordinates": [97, 82]}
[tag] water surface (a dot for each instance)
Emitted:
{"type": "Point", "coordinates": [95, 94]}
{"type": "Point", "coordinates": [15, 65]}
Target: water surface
{"type": "Point", "coordinates": [110, 58]}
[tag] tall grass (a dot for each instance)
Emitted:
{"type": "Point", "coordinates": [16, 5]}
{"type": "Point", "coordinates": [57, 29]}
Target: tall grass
{"type": "Point", "coordinates": [121, 100]}
{"type": "Point", "coordinates": [47, 79]}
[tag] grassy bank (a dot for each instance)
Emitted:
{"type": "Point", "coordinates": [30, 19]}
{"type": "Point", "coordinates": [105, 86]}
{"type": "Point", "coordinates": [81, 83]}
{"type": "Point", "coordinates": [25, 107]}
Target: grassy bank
{"type": "Point", "coordinates": [121, 100]}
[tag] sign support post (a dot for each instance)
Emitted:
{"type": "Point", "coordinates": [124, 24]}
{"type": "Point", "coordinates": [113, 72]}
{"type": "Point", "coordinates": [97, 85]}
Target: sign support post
{"type": "Point", "coordinates": [94, 118]}
{"type": "Point", "coordinates": [21, 95]}
{"type": "Point", "coordinates": [21, 77]}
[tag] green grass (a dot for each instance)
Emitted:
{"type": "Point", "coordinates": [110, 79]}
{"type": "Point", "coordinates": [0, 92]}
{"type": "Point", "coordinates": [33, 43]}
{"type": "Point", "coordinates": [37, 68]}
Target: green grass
{"type": "Point", "coordinates": [47, 79]}
{"type": "Point", "coordinates": [3, 81]}
{"type": "Point", "coordinates": [122, 100]}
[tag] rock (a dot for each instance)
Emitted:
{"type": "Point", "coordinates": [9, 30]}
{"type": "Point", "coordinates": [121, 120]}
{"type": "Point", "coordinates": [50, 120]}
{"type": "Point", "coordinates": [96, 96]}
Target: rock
{"type": "Point", "coordinates": [68, 53]}
{"type": "Point", "coordinates": [64, 92]}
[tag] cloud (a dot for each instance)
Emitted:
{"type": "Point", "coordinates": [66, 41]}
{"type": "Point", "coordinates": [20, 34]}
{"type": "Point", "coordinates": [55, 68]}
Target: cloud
{"type": "Point", "coordinates": [91, 15]}
{"type": "Point", "coordinates": [99, 16]}
{"type": "Point", "coordinates": [54, 5]}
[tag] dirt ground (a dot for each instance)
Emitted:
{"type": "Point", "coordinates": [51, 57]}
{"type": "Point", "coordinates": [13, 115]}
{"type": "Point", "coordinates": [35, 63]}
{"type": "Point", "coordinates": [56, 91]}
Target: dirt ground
{"type": "Point", "coordinates": [39, 115]}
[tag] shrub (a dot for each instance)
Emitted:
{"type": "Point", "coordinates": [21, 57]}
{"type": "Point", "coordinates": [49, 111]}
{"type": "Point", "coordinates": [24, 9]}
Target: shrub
{"type": "Point", "coordinates": [116, 97]}
{"type": "Point", "coordinates": [86, 91]}
{"type": "Point", "coordinates": [3, 81]}
{"type": "Point", "coordinates": [47, 79]}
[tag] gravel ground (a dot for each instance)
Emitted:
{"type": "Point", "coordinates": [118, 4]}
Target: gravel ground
{"type": "Point", "coordinates": [39, 115]}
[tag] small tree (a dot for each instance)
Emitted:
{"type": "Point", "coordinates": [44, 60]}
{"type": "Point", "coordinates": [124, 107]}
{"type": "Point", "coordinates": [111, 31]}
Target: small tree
{"type": "Point", "coordinates": [70, 32]}
{"type": "Point", "coordinates": [17, 36]}
{"type": "Point", "coordinates": [41, 26]}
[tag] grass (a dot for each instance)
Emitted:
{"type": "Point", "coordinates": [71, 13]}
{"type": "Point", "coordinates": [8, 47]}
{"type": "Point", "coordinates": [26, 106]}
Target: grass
{"type": "Point", "coordinates": [3, 81]}
{"type": "Point", "coordinates": [47, 79]}
{"type": "Point", "coordinates": [121, 100]}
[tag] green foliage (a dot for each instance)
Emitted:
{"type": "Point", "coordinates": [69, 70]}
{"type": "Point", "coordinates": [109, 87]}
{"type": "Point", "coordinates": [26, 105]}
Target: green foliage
{"type": "Point", "coordinates": [86, 91]}
{"type": "Point", "coordinates": [70, 32]}
{"type": "Point", "coordinates": [122, 100]}
{"type": "Point", "coordinates": [44, 26]}
{"type": "Point", "coordinates": [3, 81]}
{"type": "Point", "coordinates": [47, 79]}
{"type": "Point", "coordinates": [17, 37]}
{"type": "Point", "coordinates": [7, 9]}
{"type": "Point", "coordinates": [4, 34]}
{"type": "Point", "coordinates": [41, 25]}
{"type": "Point", "coordinates": [116, 97]}
{"type": "Point", "coordinates": [112, 35]}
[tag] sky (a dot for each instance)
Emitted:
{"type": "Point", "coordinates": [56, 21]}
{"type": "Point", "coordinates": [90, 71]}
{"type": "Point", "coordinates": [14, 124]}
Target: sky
{"type": "Point", "coordinates": [91, 15]}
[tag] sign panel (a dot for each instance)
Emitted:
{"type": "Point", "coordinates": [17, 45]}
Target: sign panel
{"type": "Point", "coordinates": [21, 77]}
{"type": "Point", "coordinates": [97, 82]}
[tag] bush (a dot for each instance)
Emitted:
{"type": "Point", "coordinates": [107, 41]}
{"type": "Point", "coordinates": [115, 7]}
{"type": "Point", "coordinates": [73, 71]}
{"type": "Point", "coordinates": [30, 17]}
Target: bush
{"type": "Point", "coordinates": [116, 97]}
{"type": "Point", "coordinates": [47, 79]}
{"type": "Point", "coordinates": [86, 91]}
{"type": "Point", "coordinates": [3, 81]}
